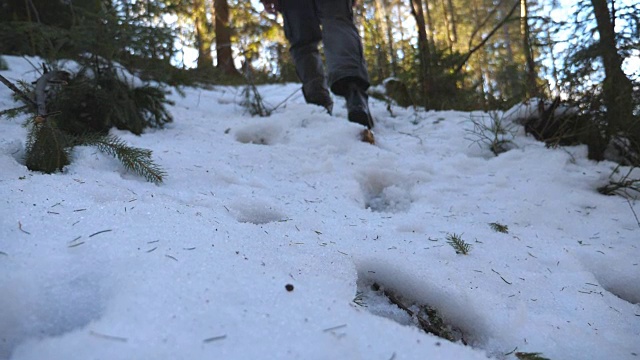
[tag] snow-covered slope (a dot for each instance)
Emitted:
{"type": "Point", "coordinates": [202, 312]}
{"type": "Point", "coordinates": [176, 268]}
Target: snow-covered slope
{"type": "Point", "coordinates": [96, 263]}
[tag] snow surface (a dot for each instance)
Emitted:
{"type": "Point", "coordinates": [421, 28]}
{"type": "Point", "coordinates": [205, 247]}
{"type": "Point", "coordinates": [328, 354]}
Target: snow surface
{"type": "Point", "coordinates": [97, 263]}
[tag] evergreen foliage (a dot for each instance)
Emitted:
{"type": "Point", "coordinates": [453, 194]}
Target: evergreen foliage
{"type": "Point", "coordinates": [83, 114]}
{"type": "Point", "coordinates": [132, 158]}
{"type": "Point", "coordinates": [47, 148]}
{"type": "Point", "coordinates": [497, 227]}
{"type": "Point", "coordinates": [459, 245]}
{"type": "Point", "coordinates": [99, 97]}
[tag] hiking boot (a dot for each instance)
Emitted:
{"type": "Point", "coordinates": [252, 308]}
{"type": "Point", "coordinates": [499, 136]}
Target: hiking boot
{"type": "Point", "coordinates": [316, 92]}
{"type": "Point", "coordinates": [358, 105]}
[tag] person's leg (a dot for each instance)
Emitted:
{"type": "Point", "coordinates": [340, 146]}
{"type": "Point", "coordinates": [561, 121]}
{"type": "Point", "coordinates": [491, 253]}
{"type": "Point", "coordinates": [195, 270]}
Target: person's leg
{"type": "Point", "coordinates": [342, 45]}
{"type": "Point", "coordinates": [347, 69]}
{"type": "Point", "coordinates": [302, 29]}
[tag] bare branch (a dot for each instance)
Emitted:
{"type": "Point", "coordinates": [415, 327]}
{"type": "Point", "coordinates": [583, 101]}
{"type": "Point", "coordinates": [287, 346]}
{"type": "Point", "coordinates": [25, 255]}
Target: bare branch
{"type": "Point", "coordinates": [17, 91]}
{"type": "Point", "coordinates": [486, 39]}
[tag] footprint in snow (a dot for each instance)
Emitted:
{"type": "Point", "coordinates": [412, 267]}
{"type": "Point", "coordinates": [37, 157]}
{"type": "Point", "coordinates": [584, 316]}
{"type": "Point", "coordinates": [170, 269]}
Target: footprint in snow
{"type": "Point", "coordinates": [620, 280]}
{"type": "Point", "coordinates": [260, 133]}
{"type": "Point", "coordinates": [386, 191]}
{"type": "Point", "coordinates": [255, 211]}
{"type": "Point", "coordinates": [47, 307]}
{"type": "Point", "coordinates": [387, 291]}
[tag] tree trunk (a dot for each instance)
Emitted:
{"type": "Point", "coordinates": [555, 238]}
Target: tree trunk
{"type": "Point", "coordinates": [223, 38]}
{"type": "Point", "coordinates": [430, 27]}
{"type": "Point", "coordinates": [554, 69]}
{"type": "Point", "coordinates": [390, 40]}
{"type": "Point", "coordinates": [204, 38]}
{"type": "Point", "coordinates": [617, 88]}
{"type": "Point", "coordinates": [532, 76]}
{"type": "Point", "coordinates": [447, 26]}
{"type": "Point", "coordinates": [378, 38]}
{"type": "Point", "coordinates": [423, 47]}
{"type": "Point", "coordinates": [452, 21]}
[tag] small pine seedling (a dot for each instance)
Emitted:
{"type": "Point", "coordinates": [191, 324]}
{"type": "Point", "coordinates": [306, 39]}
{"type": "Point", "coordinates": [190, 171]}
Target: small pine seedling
{"type": "Point", "coordinates": [458, 244]}
{"type": "Point", "coordinates": [499, 227]}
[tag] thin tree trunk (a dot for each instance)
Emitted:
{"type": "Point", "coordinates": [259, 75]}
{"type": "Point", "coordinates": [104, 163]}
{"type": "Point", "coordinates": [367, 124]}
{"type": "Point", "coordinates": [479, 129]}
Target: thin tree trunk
{"type": "Point", "coordinates": [204, 40]}
{"type": "Point", "coordinates": [430, 26]}
{"type": "Point", "coordinates": [452, 21]}
{"type": "Point", "coordinates": [401, 28]}
{"type": "Point", "coordinates": [447, 25]}
{"type": "Point", "coordinates": [554, 68]}
{"type": "Point", "coordinates": [389, 32]}
{"type": "Point", "coordinates": [224, 53]}
{"type": "Point", "coordinates": [423, 46]}
{"type": "Point", "coordinates": [379, 39]}
{"type": "Point", "coordinates": [532, 76]}
{"type": "Point", "coordinates": [617, 88]}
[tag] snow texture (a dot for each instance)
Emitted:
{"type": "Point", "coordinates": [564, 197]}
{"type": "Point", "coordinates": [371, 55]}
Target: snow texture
{"type": "Point", "coordinates": [96, 263]}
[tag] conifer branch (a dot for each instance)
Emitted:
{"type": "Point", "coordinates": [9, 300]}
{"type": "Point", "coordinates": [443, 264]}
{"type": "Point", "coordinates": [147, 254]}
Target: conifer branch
{"type": "Point", "coordinates": [132, 158]}
{"type": "Point", "coordinates": [10, 113]}
{"type": "Point", "coordinates": [459, 245]}
{"type": "Point", "coordinates": [17, 91]}
{"type": "Point", "coordinates": [497, 227]}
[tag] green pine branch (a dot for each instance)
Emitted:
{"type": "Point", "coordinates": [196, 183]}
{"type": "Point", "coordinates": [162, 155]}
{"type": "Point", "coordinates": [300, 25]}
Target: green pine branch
{"type": "Point", "coordinates": [132, 158]}
{"type": "Point", "coordinates": [497, 227]}
{"type": "Point", "coordinates": [459, 245]}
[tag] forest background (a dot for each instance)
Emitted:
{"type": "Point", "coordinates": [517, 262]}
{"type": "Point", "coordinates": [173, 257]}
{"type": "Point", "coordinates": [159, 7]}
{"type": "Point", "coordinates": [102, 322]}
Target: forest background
{"type": "Point", "coordinates": [441, 54]}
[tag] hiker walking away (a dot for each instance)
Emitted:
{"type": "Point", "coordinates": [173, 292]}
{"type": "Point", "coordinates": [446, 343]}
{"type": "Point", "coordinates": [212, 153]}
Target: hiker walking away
{"type": "Point", "coordinates": [306, 23]}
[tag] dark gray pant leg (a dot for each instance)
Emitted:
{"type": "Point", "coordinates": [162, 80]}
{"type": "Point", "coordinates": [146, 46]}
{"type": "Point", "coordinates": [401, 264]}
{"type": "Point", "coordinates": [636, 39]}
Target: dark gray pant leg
{"type": "Point", "coordinates": [302, 29]}
{"type": "Point", "coordinates": [342, 45]}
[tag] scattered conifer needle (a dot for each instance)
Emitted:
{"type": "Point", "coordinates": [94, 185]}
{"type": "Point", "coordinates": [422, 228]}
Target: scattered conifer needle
{"type": "Point", "coordinates": [21, 229]}
{"type": "Point", "coordinates": [100, 232]}
{"type": "Point", "coordinates": [171, 257]}
{"type": "Point", "coordinates": [503, 279]}
{"type": "Point", "coordinates": [335, 328]}
{"type": "Point", "coordinates": [108, 337]}
{"type": "Point", "coordinates": [215, 338]}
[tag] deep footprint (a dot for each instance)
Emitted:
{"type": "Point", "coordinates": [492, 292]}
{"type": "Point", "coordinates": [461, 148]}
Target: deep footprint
{"type": "Point", "coordinates": [384, 302]}
{"type": "Point", "coordinates": [385, 191]}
